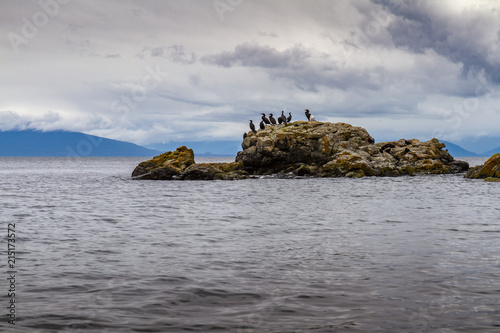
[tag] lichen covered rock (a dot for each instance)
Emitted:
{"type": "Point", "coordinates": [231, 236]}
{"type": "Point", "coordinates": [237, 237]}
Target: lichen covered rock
{"type": "Point", "coordinates": [489, 171]}
{"type": "Point", "coordinates": [165, 166]}
{"type": "Point", "coordinates": [318, 149]}
{"type": "Point", "coordinates": [180, 165]}
{"type": "Point", "coordinates": [340, 150]}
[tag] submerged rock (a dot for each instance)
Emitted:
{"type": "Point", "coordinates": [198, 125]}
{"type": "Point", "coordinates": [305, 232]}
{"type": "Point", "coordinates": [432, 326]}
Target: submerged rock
{"type": "Point", "coordinates": [318, 149]}
{"type": "Point", "coordinates": [489, 171]}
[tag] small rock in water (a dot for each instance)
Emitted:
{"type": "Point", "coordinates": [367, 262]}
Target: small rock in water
{"type": "Point", "coordinates": [489, 171]}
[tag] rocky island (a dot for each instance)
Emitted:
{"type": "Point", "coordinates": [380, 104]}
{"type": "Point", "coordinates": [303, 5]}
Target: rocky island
{"type": "Point", "coordinates": [316, 149]}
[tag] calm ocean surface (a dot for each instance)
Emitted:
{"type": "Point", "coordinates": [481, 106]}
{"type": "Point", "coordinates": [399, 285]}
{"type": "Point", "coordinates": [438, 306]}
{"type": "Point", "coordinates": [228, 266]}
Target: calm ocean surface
{"type": "Point", "coordinates": [99, 252]}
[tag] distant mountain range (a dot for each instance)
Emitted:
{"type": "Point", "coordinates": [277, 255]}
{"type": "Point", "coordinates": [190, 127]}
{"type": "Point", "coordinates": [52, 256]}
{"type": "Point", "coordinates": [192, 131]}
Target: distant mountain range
{"type": "Point", "coordinates": [491, 152]}
{"type": "Point", "coordinates": [457, 151]}
{"type": "Point", "coordinates": [484, 145]}
{"type": "Point", "coordinates": [62, 143]}
{"type": "Point", "coordinates": [66, 144]}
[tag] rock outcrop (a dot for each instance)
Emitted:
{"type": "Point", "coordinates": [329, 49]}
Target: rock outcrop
{"type": "Point", "coordinates": [340, 150]}
{"type": "Point", "coordinates": [214, 171]}
{"type": "Point", "coordinates": [318, 149]}
{"type": "Point", "coordinates": [489, 171]}
{"type": "Point", "coordinates": [165, 166]}
{"type": "Point", "coordinates": [180, 165]}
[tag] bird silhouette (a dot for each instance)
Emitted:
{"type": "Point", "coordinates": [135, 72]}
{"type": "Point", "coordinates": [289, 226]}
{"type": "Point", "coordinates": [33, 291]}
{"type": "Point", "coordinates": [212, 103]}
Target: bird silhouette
{"type": "Point", "coordinates": [271, 119]}
{"type": "Point", "coordinates": [265, 120]}
{"type": "Point", "coordinates": [252, 127]}
{"type": "Point", "coordinates": [309, 115]}
{"type": "Point", "coordinates": [283, 117]}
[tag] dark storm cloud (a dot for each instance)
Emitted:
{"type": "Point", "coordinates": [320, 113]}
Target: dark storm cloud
{"type": "Point", "coordinates": [291, 63]}
{"type": "Point", "coordinates": [466, 38]}
{"type": "Point", "coordinates": [307, 69]}
{"type": "Point", "coordinates": [175, 53]}
{"type": "Point", "coordinates": [254, 55]}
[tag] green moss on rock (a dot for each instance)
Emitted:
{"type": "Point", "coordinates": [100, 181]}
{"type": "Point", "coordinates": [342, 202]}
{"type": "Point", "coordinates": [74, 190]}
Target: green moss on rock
{"type": "Point", "coordinates": [166, 165]}
{"type": "Point", "coordinates": [491, 179]}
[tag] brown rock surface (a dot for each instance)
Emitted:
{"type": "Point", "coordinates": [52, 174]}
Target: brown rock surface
{"type": "Point", "coordinates": [489, 171]}
{"type": "Point", "coordinates": [165, 166]}
{"type": "Point", "coordinates": [318, 149]}
{"type": "Point", "coordinates": [340, 150]}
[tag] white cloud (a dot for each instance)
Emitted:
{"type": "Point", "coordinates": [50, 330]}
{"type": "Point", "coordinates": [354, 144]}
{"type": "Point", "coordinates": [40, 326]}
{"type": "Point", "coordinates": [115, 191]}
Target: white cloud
{"type": "Point", "coordinates": [373, 63]}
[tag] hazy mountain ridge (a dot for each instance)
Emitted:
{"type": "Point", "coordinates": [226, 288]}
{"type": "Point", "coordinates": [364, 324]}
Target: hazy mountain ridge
{"type": "Point", "coordinates": [483, 145]}
{"type": "Point", "coordinates": [66, 144]}
{"type": "Point", "coordinates": [491, 152]}
{"type": "Point", "coordinates": [457, 151]}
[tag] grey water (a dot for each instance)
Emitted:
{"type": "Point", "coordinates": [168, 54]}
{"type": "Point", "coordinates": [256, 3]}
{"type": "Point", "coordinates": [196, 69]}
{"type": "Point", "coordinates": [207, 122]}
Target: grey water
{"type": "Point", "coordinates": [99, 252]}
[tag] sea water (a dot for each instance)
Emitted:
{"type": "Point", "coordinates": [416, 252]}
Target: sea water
{"type": "Point", "coordinates": [96, 251]}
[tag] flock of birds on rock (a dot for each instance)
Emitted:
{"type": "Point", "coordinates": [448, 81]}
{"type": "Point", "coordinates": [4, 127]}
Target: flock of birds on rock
{"type": "Point", "coordinates": [283, 119]}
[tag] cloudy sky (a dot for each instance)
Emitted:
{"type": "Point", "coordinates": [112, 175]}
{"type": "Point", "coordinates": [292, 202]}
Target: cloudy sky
{"type": "Point", "coordinates": [157, 71]}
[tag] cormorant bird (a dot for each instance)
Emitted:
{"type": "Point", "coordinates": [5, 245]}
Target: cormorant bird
{"type": "Point", "coordinates": [289, 119]}
{"type": "Point", "coordinates": [283, 117]}
{"type": "Point", "coordinates": [309, 115]}
{"type": "Point", "coordinates": [244, 135]}
{"type": "Point", "coordinates": [271, 119]}
{"type": "Point", "coordinates": [265, 120]}
{"type": "Point", "coordinates": [280, 120]}
{"type": "Point", "coordinates": [252, 127]}
{"type": "Point", "coordinates": [262, 126]}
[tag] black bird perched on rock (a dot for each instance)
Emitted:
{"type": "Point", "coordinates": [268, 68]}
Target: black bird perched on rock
{"type": "Point", "coordinates": [264, 119]}
{"type": "Point", "coordinates": [252, 127]}
{"type": "Point", "coordinates": [262, 126]}
{"type": "Point", "coordinates": [280, 120]}
{"type": "Point", "coordinates": [283, 117]}
{"type": "Point", "coordinates": [289, 119]}
{"type": "Point", "coordinates": [244, 135]}
{"type": "Point", "coordinates": [271, 119]}
{"type": "Point", "coordinates": [309, 115]}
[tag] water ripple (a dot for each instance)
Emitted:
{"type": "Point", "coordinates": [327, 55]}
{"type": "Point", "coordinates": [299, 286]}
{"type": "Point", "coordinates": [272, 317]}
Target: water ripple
{"type": "Point", "coordinates": [99, 252]}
